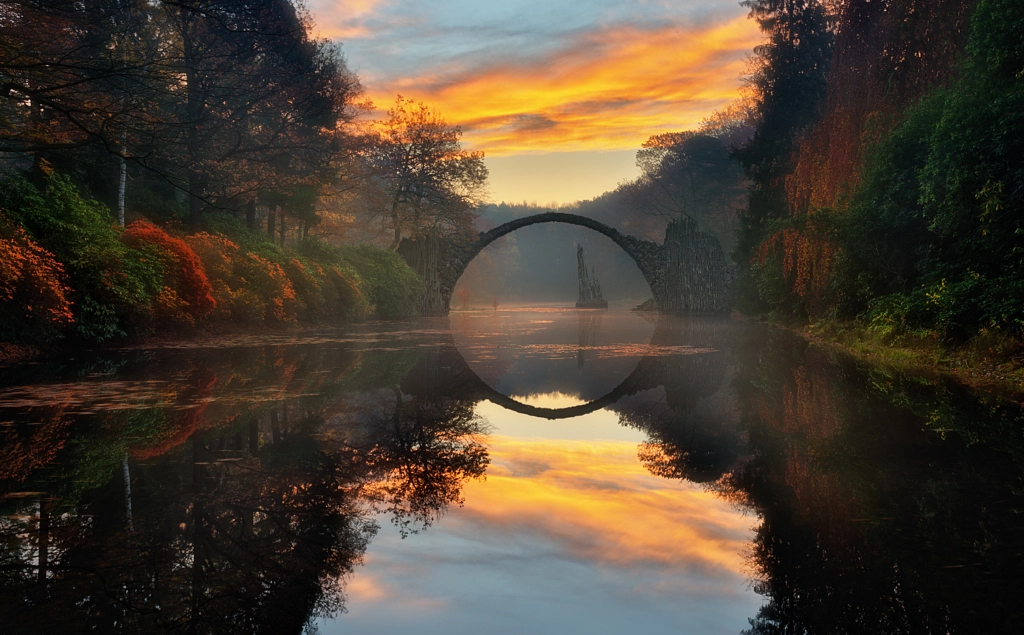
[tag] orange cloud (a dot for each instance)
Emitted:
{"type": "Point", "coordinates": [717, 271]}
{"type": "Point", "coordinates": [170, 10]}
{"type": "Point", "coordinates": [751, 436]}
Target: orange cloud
{"type": "Point", "coordinates": [610, 89]}
{"type": "Point", "coordinates": [344, 19]}
{"type": "Point", "coordinates": [596, 501]}
{"type": "Point", "coordinates": [364, 588]}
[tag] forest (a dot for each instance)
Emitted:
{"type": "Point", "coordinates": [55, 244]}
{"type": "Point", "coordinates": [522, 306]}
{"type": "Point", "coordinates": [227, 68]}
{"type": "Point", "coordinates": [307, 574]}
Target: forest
{"type": "Point", "coordinates": [167, 165]}
{"type": "Point", "coordinates": [886, 174]}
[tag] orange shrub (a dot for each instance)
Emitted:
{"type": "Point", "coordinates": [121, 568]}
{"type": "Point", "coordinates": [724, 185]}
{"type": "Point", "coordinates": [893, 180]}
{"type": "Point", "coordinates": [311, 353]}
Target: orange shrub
{"type": "Point", "coordinates": [246, 286]}
{"type": "Point", "coordinates": [33, 288]}
{"type": "Point", "coordinates": [187, 295]}
{"type": "Point", "coordinates": [268, 280]}
{"type": "Point", "coordinates": [307, 279]}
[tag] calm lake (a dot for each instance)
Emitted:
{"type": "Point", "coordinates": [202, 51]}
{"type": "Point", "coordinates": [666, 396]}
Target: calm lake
{"type": "Point", "coordinates": [506, 471]}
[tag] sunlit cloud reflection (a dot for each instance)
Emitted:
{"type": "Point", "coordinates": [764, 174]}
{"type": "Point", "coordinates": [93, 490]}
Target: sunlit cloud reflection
{"type": "Point", "coordinates": [556, 529]}
{"type": "Point", "coordinates": [598, 503]}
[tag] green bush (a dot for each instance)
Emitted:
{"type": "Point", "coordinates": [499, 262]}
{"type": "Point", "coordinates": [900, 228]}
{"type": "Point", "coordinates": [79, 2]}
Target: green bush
{"type": "Point", "coordinates": [113, 285]}
{"type": "Point", "coordinates": [391, 286]}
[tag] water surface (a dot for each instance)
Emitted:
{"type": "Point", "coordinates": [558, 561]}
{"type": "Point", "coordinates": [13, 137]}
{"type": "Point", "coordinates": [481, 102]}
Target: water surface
{"type": "Point", "coordinates": [505, 471]}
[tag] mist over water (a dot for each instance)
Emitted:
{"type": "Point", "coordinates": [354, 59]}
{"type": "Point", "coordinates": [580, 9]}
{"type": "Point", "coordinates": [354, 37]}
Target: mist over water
{"type": "Point", "coordinates": [552, 469]}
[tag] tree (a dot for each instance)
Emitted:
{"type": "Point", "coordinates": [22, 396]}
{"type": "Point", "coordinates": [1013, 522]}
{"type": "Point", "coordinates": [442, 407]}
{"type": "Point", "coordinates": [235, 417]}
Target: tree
{"type": "Point", "coordinates": [788, 83]}
{"type": "Point", "coordinates": [223, 100]}
{"type": "Point", "coordinates": [688, 174]}
{"type": "Point", "coordinates": [261, 102]}
{"type": "Point", "coordinates": [66, 65]}
{"type": "Point", "coordinates": [421, 180]}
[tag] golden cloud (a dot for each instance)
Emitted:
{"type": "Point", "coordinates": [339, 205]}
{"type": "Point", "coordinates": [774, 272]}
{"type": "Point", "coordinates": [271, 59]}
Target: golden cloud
{"type": "Point", "coordinates": [345, 19]}
{"type": "Point", "coordinates": [609, 90]}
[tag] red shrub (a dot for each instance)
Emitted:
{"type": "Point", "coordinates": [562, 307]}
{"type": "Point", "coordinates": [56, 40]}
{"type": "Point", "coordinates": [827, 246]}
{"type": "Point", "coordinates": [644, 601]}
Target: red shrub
{"type": "Point", "coordinates": [184, 272]}
{"type": "Point", "coordinates": [33, 288]}
{"type": "Point", "coordinates": [248, 287]}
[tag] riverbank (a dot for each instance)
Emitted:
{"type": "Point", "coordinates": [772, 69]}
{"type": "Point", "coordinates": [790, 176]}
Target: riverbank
{"type": "Point", "coordinates": [990, 361]}
{"type": "Point", "coordinates": [12, 353]}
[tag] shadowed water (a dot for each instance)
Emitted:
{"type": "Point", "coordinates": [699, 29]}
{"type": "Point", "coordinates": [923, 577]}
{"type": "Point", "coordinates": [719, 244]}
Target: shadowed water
{"type": "Point", "coordinates": [505, 472]}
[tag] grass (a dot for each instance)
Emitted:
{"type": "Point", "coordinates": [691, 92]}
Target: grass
{"type": "Point", "coordinates": [990, 360]}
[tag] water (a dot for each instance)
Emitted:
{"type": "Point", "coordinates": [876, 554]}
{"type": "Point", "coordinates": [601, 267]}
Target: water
{"type": "Point", "coordinates": [505, 471]}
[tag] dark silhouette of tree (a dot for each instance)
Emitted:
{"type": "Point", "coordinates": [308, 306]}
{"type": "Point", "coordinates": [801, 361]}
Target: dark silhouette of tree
{"type": "Point", "coordinates": [249, 521]}
{"type": "Point", "coordinates": [222, 100]}
{"type": "Point", "coordinates": [689, 174]}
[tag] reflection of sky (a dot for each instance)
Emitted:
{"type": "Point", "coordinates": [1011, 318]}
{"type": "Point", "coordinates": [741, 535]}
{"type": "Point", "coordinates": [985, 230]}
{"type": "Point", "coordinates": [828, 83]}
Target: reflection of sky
{"type": "Point", "coordinates": [568, 533]}
{"type": "Point", "coordinates": [570, 83]}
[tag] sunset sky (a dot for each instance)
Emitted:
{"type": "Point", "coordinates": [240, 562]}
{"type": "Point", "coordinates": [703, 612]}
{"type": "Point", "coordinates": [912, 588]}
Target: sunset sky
{"type": "Point", "coordinates": [558, 95]}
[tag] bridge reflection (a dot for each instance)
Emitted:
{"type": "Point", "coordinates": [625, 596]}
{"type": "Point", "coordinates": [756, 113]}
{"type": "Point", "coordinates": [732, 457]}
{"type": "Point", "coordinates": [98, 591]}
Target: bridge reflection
{"type": "Point", "coordinates": [685, 355]}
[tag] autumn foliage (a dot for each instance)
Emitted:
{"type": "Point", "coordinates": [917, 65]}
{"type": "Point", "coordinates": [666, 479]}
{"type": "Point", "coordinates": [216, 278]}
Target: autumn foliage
{"type": "Point", "coordinates": [67, 270]}
{"type": "Point", "coordinates": [186, 295]}
{"type": "Point", "coordinates": [887, 56]}
{"type": "Point", "coordinates": [246, 286]}
{"type": "Point", "coordinates": [33, 286]}
{"type": "Point", "coordinates": [900, 205]}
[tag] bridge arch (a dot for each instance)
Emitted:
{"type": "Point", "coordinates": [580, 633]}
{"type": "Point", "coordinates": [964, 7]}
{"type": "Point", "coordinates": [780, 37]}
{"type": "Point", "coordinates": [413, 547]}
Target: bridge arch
{"type": "Point", "coordinates": [688, 274]}
{"type": "Point", "coordinates": [643, 252]}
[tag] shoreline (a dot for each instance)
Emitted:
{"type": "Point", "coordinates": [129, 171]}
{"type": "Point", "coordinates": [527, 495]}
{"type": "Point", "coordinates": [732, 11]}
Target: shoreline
{"type": "Point", "coordinates": [1001, 375]}
{"type": "Point", "coordinates": [972, 364]}
{"type": "Point", "coordinates": [12, 354]}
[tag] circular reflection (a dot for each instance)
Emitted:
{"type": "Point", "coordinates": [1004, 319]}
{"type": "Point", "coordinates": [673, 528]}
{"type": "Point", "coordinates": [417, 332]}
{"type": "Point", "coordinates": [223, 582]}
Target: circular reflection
{"type": "Point", "coordinates": [553, 358]}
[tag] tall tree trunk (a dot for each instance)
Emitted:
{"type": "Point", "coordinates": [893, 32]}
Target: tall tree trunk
{"type": "Point", "coordinates": [199, 544]}
{"type": "Point", "coordinates": [195, 202]}
{"type": "Point", "coordinates": [44, 538]}
{"type": "Point", "coordinates": [398, 228]}
{"type": "Point", "coordinates": [254, 437]}
{"type": "Point", "coordinates": [271, 221]}
{"type": "Point", "coordinates": [194, 112]}
{"type": "Point", "coordinates": [250, 215]}
{"type": "Point", "coordinates": [127, 492]}
{"type": "Point", "coordinates": [122, 181]}
{"type": "Point", "coordinates": [283, 231]}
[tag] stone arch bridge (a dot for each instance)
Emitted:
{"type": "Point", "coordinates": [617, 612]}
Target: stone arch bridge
{"type": "Point", "coordinates": [688, 273]}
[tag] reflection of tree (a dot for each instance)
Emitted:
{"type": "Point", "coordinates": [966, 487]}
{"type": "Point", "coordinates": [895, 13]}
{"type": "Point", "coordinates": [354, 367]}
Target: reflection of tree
{"type": "Point", "coordinates": [872, 522]}
{"type": "Point", "coordinates": [427, 441]}
{"type": "Point", "coordinates": [589, 330]}
{"type": "Point", "coordinates": [252, 523]}
{"type": "Point", "coordinates": [422, 453]}
{"type": "Point", "coordinates": [886, 505]}
{"type": "Point", "coordinates": [223, 539]}
{"type": "Point", "coordinates": [26, 448]}
{"type": "Point", "coordinates": [688, 419]}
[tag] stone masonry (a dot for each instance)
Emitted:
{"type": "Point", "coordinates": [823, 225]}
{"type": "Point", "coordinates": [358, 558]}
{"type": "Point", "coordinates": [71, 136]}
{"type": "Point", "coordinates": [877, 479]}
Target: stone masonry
{"type": "Point", "coordinates": [688, 274]}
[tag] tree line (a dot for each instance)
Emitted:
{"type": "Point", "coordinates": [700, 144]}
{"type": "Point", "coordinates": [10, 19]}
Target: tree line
{"type": "Point", "coordinates": [869, 176]}
{"type": "Point", "coordinates": [219, 118]}
{"type": "Point", "coordinates": [885, 169]}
